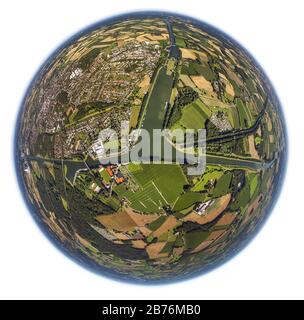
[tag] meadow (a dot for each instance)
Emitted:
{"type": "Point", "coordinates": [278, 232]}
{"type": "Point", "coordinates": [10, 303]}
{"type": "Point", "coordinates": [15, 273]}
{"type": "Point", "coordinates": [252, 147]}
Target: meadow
{"type": "Point", "coordinates": [245, 116]}
{"type": "Point", "coordinates": [194, 116]}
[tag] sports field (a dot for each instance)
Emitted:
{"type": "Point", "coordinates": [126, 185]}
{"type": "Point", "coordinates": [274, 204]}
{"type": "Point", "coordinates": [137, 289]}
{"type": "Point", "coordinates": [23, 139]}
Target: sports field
{"type": "Point", "coordinates": [157, 188]}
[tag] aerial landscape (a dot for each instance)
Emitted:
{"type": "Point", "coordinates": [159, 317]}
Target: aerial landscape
{"type": "Point", "coordinates": [150, 221]}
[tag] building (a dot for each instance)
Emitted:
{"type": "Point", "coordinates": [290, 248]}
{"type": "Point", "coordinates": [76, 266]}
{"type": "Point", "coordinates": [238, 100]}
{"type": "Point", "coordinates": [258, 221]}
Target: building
{"type": "Point", "coordinates": [110, 171]}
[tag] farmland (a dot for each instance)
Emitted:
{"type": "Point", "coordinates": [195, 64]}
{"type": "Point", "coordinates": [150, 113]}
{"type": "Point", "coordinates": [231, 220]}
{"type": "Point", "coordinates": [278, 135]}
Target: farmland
{"type": "Point", "coordinates": [188, 199]}
{"type": "Point", "coordinates": [211, 174]}
{"type": "Point", "coordinates": [244, 114]}
{"type": "Point", "coordinates": [193, 116]}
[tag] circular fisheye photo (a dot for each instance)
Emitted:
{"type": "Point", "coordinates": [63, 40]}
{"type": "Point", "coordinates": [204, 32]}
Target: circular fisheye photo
{"type": "Point", "coordinates": [150, 147]}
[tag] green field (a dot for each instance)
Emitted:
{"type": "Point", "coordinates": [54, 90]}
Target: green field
{"type": "Point", "coordinates": [194, 238]}
{"type": "Point", "coordinates": [205, 70]}
{"type": "Point", "coordinates": [211, 174]}
{"type": "Point", "coordinates": [233, 117]}
{"type": "Point", "coordinates": [168, 247]}
{"type": "Point", "coordinates": [250, 86]}
{"type": "Point", "coordinates": [245, 116]}
{"type": "Point", "coordinates": [222, 185]}
{"type": "Point", "coordinates": [65, 203]}
{"type": "Point", "coordinates": [170, 66]}
{"type": "Point", "coordinates": [188, 199]}
{"type": "Point", "coordinates": [180, 42]}
{"type": "Point", "coordinates": [254, 182]}
{"type": "Point", "coordinates": [134, 116]}
{"type": "Point", "coordinates": [157, 223]}
{"type": "Point", "coordinates": [236, 88]}
{"type": "Point", "coordinates": [206, 110]}
{"type": "Point", "coordinates": [104, 174]}
{"type": "Point", "coordinates": [156, 188]}
{"type": "Point", "coordinates": [191, 68]}
{"type": "Point", "coordinates": [243, 197]}
{"type": "Point", "coordinates": [194, 116]}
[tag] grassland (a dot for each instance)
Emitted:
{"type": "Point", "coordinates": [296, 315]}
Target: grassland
{"type": "Point", "coordinates": [243, 197]}
{"type": "Point", "coordinates": [180, 42]}
{"type": "Point", "coordinates": [245, 116]}
{"type": "Point", "coordinates": [187, 80]}
{"type": "Point", "coordinates": [157, 223]}
{"type": "Point", "coordinates": [212, 174]}
{"type": "Point", "coordinates": [192, 68]}
{"type": "Point", "coordinates": [134, 116]}
{"type": "Point", "coordinates": [222, 185]}
{"type": "Point", "coordinates": [233, 117]}
{"type": "Point", "coordinates": [193, 239]}
{"type": "Point", "coordinates": [218, 177]}
{"type": "Point", "coordinates": [254, 183]}
{"type": "Point", "coordinates": [194, 116]}
{"type": "Point", "coordinates": [188, 199]}
{"type": "Point", "coordinates": [64, 203]}
{"type": "Point", "coordinates": [105, 176]}
{"type": "Point", "coordinates": [170, 66]}
{"type": "Point", "coordinates": [156, 189]}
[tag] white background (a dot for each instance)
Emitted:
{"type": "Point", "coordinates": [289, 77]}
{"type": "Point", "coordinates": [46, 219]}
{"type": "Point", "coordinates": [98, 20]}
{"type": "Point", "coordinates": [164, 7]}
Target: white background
{"type": "Point", "coordinates": [272, 266]}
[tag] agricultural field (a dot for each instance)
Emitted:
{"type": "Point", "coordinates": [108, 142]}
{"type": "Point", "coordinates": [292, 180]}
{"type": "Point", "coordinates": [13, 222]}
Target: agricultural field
{"type": "Point", "coordinates": [244, 114]}
{"type": "Point", "coordinates": [135, 111]}
{"type": "Point", "coordinates": [180, 42]}
{"type": "Point", "coordinates": [187, 200]}
{"type": "Point", "coordinates": [211, 174]}
{"type": "Point", "coordinates": [194, 116]}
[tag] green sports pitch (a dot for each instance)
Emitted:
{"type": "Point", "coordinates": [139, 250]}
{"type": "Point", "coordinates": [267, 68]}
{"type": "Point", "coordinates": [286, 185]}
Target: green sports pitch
{"type": "Point", "coordinates": [155, 186]}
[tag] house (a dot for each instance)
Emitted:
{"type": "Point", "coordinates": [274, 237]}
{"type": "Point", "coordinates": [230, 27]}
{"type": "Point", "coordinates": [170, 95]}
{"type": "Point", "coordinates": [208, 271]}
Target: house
{"type": "Point", "coordinates": [95, 187]}
{"type": "Point", "coordinates": [110, 172]}
{"type": "Point", "coordinates": [106, 185]}
{"type": "Point", "coordinates": [119, 178]}
{"type": "Point", "coordinates": [202, 207]}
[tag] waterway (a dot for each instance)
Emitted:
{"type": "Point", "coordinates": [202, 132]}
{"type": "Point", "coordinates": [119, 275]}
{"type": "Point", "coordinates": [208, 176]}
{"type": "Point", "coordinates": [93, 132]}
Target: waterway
{"type": "Point", "coordinates": [157, 101]}
{"type": "Point", "coordinates": [173, 49]}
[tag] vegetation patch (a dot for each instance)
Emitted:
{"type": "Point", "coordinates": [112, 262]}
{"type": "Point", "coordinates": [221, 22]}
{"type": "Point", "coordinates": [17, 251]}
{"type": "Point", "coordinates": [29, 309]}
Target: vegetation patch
{"type": "Point", "coordinates": [193, 239]}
